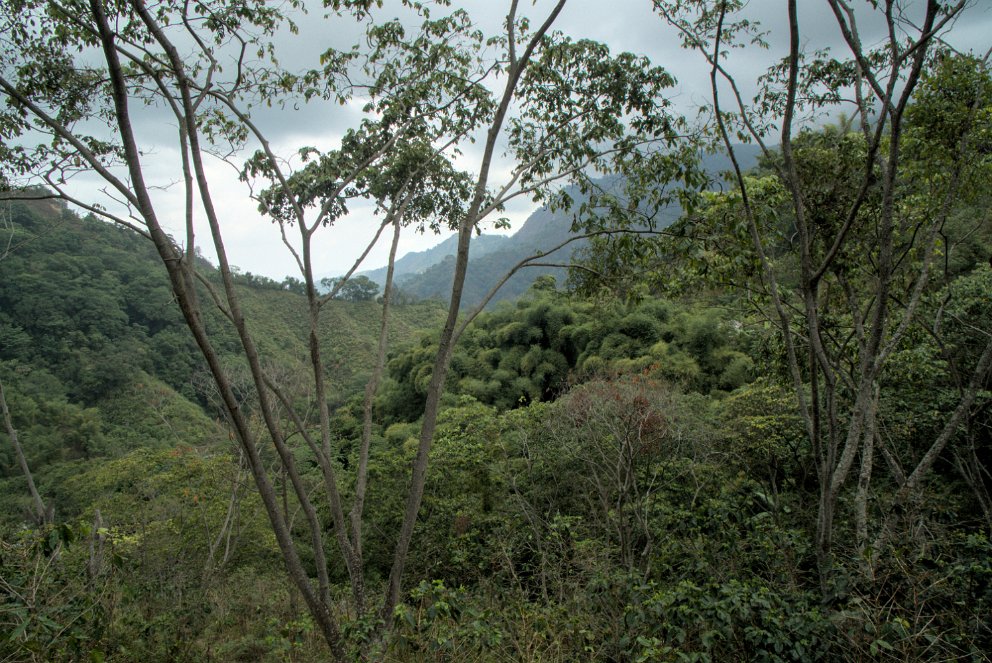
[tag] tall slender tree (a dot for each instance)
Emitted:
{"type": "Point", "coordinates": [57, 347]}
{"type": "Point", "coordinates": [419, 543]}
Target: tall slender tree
{"type": "Point", "coordinates": [862, 246]}
{"type": "Point", "coordinates": [77, 73]}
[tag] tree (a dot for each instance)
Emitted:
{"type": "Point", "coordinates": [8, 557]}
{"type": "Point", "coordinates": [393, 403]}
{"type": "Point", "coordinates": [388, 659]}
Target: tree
{"type": "Point", "coordinates": [843, 240]}
{"type": "Point", "coordinates": [41, 514]}
{"type": "Point", "coordinates": [426, 93]}
{"type": "Point", "coordinates": [356, 289]}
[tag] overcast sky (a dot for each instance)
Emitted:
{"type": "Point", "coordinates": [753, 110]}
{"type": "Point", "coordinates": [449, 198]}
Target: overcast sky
{"type": "Point", "coordinates": [254, 244]}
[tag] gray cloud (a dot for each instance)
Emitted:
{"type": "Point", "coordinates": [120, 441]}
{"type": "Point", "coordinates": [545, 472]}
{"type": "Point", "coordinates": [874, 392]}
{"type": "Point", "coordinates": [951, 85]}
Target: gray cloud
{"type": "Point", "coordinates": [626, 25]}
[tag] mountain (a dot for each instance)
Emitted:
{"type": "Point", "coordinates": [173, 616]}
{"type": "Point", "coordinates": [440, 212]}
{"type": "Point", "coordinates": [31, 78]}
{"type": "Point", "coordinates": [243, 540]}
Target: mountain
{"type": "Point", "coordinates": [542, 231]}
{"type": "Point", "coordinates": [416, 262]}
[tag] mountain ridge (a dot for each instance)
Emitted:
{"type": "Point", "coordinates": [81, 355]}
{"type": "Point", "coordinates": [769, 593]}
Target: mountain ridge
{"type": "Point", "coordinates": [543, 230]}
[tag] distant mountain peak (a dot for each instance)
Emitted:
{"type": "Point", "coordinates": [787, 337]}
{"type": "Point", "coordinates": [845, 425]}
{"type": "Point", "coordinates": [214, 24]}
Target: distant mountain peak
{"type": "Point", "coordinates": [428, 274]}
{"type": "Point", "coordinates": [417, 262]}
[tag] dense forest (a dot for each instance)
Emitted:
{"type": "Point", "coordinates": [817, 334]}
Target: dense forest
{"type": "Point", "coordinates": [749, 421]}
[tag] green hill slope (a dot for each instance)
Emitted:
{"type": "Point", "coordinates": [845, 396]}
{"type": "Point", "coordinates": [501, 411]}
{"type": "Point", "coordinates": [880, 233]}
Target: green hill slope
{"type": "Point", "coordinates": [96, 360]}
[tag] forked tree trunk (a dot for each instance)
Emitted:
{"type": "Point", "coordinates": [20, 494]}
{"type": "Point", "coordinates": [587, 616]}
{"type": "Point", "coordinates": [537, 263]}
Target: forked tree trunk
{"type": "Point", "coordinates": [840, 407]}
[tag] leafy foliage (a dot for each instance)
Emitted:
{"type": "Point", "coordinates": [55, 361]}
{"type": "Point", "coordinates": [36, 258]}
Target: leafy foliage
{"type": "Point", "coordinates": [621, 478]}
{"type": "Point", "coordinates": [534, 350]}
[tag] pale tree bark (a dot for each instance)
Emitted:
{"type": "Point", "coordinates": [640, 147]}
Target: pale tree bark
{"type": "Point", "coordinates": [180, 273]}
{"type": "Point", "coordinates": [40, 514]}
{"type": "Point", "coordinates": [152, 55]}
{"type": "Point", "coordinates": [225, 532]}
{"type": "Point", "coordinates": [435, 389]}
{"type": "Point", "coordinates": [361, 483]}
{"type": "Point", "coordinates": [97, 539]}
{"type": "Point", "coordinates": [837, 400]}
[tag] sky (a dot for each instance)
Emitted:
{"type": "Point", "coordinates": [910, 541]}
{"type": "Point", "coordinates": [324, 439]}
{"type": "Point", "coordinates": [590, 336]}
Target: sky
{"type": "Point", "coordinates": [254, 243]}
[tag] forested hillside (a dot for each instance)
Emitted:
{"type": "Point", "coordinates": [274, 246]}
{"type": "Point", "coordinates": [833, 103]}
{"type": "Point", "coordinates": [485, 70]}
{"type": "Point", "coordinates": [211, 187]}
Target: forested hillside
{"type": "Point", "coordinates": [95, 360]}
{"type": "Point", "coordinates": [553, 231]}
{"type": "Point", "coordinates": [751, 421]}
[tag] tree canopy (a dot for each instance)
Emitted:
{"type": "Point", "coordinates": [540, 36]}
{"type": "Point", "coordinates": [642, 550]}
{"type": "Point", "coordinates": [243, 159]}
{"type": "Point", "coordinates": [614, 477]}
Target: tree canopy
{"type": "Point", "coordinates": [760, 432]}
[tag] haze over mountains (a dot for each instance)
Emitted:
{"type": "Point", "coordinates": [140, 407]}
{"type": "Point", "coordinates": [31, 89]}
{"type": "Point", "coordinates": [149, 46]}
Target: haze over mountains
{"type": "Point", "coordinates": [428, 274]}
{"type": "Point", "coordinates": [417, 262]}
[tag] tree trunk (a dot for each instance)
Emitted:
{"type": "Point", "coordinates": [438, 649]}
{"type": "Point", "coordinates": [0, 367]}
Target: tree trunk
{"type": "Point", "coordinates": [41, 515]}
